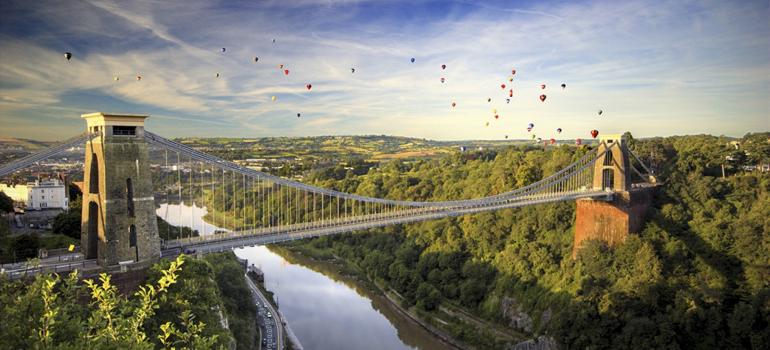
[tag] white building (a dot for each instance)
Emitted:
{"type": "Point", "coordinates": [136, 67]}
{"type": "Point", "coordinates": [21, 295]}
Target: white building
{"type": "Point", "coordinates": [39, 194]}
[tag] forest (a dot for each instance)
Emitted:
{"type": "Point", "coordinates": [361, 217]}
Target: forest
{"type": "Point", "coordinates": [182, 305]}
{"type": "Point", "coordinates": [696, 277]}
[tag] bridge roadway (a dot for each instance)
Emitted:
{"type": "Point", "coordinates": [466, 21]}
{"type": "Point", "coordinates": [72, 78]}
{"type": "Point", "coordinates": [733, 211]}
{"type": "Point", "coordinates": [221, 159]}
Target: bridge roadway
{"type": "Point", "coordinates": [237, 239]}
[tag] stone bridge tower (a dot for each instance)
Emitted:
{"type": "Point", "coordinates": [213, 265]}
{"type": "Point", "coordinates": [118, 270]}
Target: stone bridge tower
{"type": "Point", "coordinates": [119, 224]}
{"type": "Point", "coordinates": [611, 220]}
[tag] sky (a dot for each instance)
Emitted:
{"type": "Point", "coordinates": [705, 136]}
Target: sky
{"type": "Point", "coordinates": [655, 68]}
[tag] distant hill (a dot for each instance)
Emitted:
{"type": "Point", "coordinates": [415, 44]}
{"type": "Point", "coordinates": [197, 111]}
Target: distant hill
{"type": "Point", "coordinates": [22, 144]}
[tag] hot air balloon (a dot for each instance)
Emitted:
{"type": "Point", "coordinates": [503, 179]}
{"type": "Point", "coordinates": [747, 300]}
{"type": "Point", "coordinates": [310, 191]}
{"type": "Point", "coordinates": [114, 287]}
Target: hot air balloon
{"type": "Point", "coordinates": [502, 86]}
{"type": "Point", "coordinates": [542, 98]}
{"type": "Point", "coordinates": [553, 141]}
{"type": "Point", "coordinates": [67, 55]}
{"type": "Point", "coordinates": [280, 66]}
{"type": "Point", "coordinates": [539, 140]}
{"type": "Point", "coordinates": [510, 79]}
{"type": "Point", "coordinates": [600, 112]}
{"type": "Point", "coordinates": [563, 86]}
{"type": "Point", "coordinates": [453, 104]}
{"type": "Point", "coordinates": [558, 130]}
{"type": "Point", "coordinates": [510, 93]}
{"type": "Point", "coordinates": [273, 41]}
{"type": "Point", "coordinates": [578, 142]}
{"type": "Point", "coordinates": [116, 78]}
{"type": "Point", "coordinates": [487, 124]}
{"type": "Point", "coordinates": [412, 59]}
{"type": "Point", "coordinates": [256, 59]}
{"type": "Point", "coordinates": [534, 136]}
{"type": "Point", "coordinates": [529, 129]}
{"type": "Point", "coordinates": [494, 110]}
{"type": "Point", "coordinates": [223, 49]}
{"type": "Point", "coordinates": [530, 126]}
{"type": "Point", "coordinates": [506, 137]}
{"type": "Point", "coordinates": [273, 98]}
{"type": "Point", "coordinates": [489, 99]}
{"type": "Point", "coordinates": [442, 80]}
{"type": "Point", "coordinates": [286, 72]}
{"type": "Point", "coordinates": [594, 133]}
{"type": "Point", "coordinates": [298, 115]}
{"type": "Point", "coordinates": [513, 72]}
{"type": "Point", "coordinates": [497, 116]}
{"type": "Point", "coordinates": [217, 75]}
{"type": "Point", "coordinates": [542, 86]}
{"type": "Point", "coordinates": [443, 66]}
{"type": "Point", "coordinates": [138, 77]}
{"type": "Point", "coordinates": [308, 86]}
{"type": "Point", "coordinates": [352, 70]}
{"type": "Point", "coordinates": [508, 100]}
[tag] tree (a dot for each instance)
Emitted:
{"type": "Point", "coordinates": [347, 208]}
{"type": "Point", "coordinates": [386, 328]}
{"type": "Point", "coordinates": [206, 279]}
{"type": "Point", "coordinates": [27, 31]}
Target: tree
{"type": "Point", "coordinates": [68, 223]}
{"type": "Point", "coordinates": [47, 314]}
{"type": "Point", "coordinates": [6, 203]}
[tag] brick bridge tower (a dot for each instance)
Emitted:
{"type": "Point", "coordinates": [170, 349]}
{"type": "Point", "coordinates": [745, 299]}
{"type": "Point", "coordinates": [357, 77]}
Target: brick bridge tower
{"type": "Point", "coordinates": [119, 224]}
{"type": "Point", "coordinates": [611, 221]}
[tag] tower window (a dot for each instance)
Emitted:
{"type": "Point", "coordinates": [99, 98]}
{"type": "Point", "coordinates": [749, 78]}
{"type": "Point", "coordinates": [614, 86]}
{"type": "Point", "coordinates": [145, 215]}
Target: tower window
{"type": "Point", "coordinates": [130, 197]}
{"type": "Point", "coordinates": [132, 236]}
{"type": "Point", "coordinates": [124, 130]}
{"type": "Point", "coordinates": [93, 178]}
{"type": "Point", "coordinates": [608, 157]}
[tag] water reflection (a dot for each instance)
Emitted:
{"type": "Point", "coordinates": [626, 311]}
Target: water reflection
{"type": "Point", "coordinates": [181, 214]}
{"type": "Point", "coordinates": [324, 309]}
{"type": "Point", "coordinates": [329, 311]}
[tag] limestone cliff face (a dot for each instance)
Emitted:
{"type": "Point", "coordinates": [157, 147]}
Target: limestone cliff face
{"type": "Point", "coordinates": [514, 312]}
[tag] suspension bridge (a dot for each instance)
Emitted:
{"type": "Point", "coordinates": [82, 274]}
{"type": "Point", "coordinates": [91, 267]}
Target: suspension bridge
{"type": "Point", "coordinates": [130, 171]}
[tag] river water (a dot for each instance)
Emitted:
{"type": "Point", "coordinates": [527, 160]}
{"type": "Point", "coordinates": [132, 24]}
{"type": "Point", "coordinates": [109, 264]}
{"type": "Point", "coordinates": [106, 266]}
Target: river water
{"type": "Point", "coordinates": [324, 310]}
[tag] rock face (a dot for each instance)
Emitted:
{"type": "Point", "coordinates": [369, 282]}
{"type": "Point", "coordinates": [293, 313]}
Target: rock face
{"type": "Point", "coordinates": [540, 343]}
{"type": "Point", "coordinates": [513, 311]}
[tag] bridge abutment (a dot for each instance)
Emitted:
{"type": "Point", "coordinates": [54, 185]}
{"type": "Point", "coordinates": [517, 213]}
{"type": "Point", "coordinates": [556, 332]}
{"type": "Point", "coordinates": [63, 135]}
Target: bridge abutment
{"type": "Point", "coordinates": [118, 221]}
{"type": "Point", "coordinates": [612, 220]}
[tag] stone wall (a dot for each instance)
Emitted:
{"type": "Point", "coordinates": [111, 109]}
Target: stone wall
{"type": "Point", "coordinates": [611, 221]}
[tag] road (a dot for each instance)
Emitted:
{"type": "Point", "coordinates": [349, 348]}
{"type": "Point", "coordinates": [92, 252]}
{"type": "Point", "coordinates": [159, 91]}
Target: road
{"type": "Point", "coordinates": [273, 325]}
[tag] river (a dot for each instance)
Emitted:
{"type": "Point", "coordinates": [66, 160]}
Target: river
{"type": "Point", "coordinates": [325, 310]}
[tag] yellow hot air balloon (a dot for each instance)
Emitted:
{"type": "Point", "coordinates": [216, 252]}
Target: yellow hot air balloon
{"type": "Point", "coordinates": [494, 110]}
{"type": "Point", "coordinates": [273, 98]}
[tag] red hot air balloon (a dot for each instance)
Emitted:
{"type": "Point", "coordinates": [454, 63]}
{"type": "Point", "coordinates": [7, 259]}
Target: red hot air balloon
{"type": "Point", "coordinates": [502, 86]}
{"type": "Point", "coordinates": [513, 72]}
{"type": "Point", "coordinates": [497, 116]}
{"type": "Point", "coordinates": [454, 104]}
{"type": "Point", "coordinates": [138, 77]}
{"type": "Point", "coordinates": [542, 98]}
{"type": "Point", "coordinates": [510, 93]}
{"type": "Point", "coordinates": [558, 130]}
{"type": "Point", "coordinates": [594, 133]}
{"type": "Point", "coordinates": [443, 66]}
{"type": "Point", "coordinates": [308, 86]}
{"type": "Point", "coordinates": [442, 80]}
{"type": "Point", "coordinates": [542, 86]}
{"type": "Point", "coordinates": [578, 142]}
{"type": "Point", "coordinates": [553, 141]}
{"type": "Point", "coordinates": [286, 72]}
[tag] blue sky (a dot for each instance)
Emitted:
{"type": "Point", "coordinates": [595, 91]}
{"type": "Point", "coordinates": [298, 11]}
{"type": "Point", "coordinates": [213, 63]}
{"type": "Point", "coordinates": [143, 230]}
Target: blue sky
{"type": "Point", "coordinates": [653, 67]}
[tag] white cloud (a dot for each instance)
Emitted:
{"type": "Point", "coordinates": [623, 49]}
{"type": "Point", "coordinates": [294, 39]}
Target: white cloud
{"type": "Point", "coordinates": [657, 68]}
